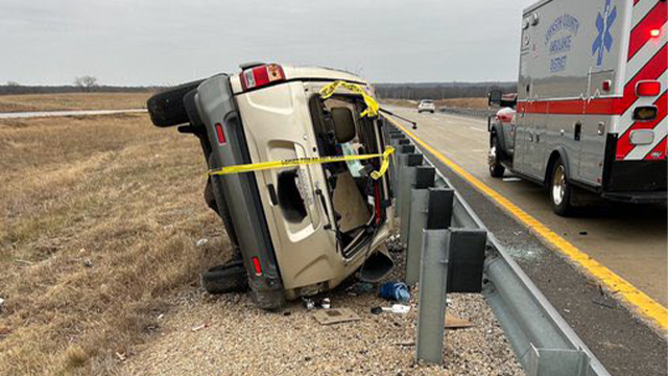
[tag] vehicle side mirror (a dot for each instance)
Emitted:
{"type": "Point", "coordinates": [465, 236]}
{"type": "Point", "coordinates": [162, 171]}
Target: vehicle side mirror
{"type": "Point", "coordinates": [494, 98]}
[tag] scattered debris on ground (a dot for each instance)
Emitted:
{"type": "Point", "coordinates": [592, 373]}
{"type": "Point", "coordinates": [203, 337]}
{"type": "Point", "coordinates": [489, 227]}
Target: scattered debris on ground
{"type": "Point", "coordinates": [244, 340]}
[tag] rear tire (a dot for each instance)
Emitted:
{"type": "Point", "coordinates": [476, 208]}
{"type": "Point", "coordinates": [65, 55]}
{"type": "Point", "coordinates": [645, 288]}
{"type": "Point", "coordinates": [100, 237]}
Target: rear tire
{"type": "Point", "coordinates": [560, 190]}
{"type": "Point", "coordinates": [167, 109]}
{"type": "Point", "coordinates": [496, 169]}
{"type": "Point", "coordinates": [227, 278]}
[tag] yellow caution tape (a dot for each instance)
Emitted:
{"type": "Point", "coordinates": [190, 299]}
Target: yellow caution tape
{"type": "Point", "coordinates": [372, 106]}
{"type": "Point", "coordinates": [308, 161]}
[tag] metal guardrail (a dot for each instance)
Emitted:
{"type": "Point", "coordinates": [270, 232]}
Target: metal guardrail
{"type": "Point", "coordinates": [543, 342]}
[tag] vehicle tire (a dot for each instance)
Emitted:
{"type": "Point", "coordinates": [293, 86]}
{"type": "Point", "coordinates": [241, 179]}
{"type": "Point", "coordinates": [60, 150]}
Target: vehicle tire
{"type": "Point", "coordinates": [560, 190]}
{"type": "Point", "coordinates": [222, 279]}
{"type": "Point", "coordinates": [496, 169]}
{"type": "Point", "coordinates": [167, 109]}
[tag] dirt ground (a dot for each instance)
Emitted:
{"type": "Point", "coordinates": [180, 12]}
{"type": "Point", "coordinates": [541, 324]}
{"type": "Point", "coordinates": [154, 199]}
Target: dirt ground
{"type": "Point", "coordinates": [100, 217]}
{"type": "Point", "coordinates": [73, 101]}
{"type": "Point", "coordinates": [238, 339]}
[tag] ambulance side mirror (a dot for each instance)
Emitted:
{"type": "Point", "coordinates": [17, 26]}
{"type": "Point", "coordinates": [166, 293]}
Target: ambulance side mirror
{"type": "Point", "coordinates": [494, 98]}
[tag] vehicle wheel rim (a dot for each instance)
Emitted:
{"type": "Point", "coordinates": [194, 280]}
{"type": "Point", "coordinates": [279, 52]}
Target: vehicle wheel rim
{"type": "Point", "coordinates": [559, 185]}
{"type": "Point", "coordinates": [491, 158]}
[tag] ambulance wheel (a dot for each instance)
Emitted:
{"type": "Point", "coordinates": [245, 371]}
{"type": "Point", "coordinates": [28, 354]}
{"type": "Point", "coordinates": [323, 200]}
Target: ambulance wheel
{"type": "Point", "coordinates": [560, 190]}
{"type": "Point", "coordinates": [496, 169]}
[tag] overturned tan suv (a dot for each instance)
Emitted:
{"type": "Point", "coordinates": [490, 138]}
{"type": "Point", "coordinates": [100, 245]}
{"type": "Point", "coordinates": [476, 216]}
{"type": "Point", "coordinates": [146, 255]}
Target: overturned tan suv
{"type": "Point", "coordinates": [301, 230]}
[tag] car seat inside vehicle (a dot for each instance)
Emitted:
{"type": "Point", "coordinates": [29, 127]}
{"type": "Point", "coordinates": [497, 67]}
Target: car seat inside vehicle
{"type": "Point", "coordinates": [338, 129]}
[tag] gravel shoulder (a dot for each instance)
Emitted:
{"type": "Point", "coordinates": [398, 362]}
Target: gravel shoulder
{"type": "Point", "coordinates": [239, 339]}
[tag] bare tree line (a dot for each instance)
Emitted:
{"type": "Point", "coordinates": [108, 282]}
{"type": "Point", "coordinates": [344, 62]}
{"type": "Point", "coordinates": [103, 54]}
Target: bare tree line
{"type": "Point", "coordinates": [415, 91]}
{"type": "Point", "coordinates": [446, 90]}
{"type": "Point", "coordinates": [85, 84]}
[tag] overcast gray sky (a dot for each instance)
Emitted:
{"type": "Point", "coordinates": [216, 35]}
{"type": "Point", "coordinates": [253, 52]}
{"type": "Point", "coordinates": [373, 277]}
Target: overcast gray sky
{"type": "Point", "coordinates": [144, 42]}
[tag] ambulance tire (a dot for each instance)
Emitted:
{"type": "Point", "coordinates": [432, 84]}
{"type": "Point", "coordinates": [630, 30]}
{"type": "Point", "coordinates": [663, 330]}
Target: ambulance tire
{"type": "Point", "coordinates": [561, 190]}
{"type": "Point", "coordinates": [496, 169]}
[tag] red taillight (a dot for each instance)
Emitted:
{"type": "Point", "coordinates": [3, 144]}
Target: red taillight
{"type": "Point", "coordinates": [263, 75]}
{"type": "Point", "coordinates": [654, 33]}
{"type": "Point", "coordinates": [220, 133]}
{"type": "Point", "coordinates": [257, 266]}
{"type": "Point", "coordinates": [648, 88]}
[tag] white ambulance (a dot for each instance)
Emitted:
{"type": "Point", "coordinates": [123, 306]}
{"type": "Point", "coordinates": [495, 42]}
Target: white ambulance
{"type": "Point", "coordinates": [590, 109]}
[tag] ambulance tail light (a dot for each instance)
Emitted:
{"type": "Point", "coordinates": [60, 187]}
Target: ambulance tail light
{"type": "Point", "coordinates": [648, 88]}
{"type": "Point", "coordinates": [260, 76]}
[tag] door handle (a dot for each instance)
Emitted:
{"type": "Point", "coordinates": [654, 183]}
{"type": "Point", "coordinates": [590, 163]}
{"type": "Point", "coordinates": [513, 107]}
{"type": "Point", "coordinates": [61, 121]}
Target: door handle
{"type": "Point", "coordinates": [319, 193]}
{"type": "Point", "coordinates": [601, 128]}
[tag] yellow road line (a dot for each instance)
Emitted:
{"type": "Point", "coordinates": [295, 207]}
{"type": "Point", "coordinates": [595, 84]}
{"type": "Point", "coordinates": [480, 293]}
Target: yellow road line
{"type": "Point", "coordinates": [642, 303]}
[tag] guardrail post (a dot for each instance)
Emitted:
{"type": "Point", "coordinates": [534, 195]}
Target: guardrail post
{"type": "Point", "coordinates": [417, 221]}
{"type": "Point", "coordinates": [434, 260]}
{"type": "Point", "coordinates": [402, 160]}
{"type": "Point", "coordinates": [406, 179]}
{"type": "Point", "coordinates": [433, 287]}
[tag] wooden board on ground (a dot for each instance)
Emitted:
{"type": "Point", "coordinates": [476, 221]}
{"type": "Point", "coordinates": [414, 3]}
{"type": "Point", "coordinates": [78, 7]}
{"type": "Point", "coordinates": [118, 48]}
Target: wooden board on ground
{"type": "Point", "coordinates": [453, 322]}
{"type": "Point", "coordinates": [335, 316]}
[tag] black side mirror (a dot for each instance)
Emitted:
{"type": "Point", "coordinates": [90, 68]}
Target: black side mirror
{"type": "Point", "coordinates": [494, 98]}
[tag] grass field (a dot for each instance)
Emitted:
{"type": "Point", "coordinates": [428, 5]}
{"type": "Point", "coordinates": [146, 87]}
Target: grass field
{"type": "Point", "coordinates": [100, 216]}
{"type": "Point", "coordinates": [75, 101]}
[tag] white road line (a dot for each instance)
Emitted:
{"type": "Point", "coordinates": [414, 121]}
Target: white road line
{"type": "Point", "coordinates": [15, 115]}
{"type": "Point", "coordinates": [478, 129]}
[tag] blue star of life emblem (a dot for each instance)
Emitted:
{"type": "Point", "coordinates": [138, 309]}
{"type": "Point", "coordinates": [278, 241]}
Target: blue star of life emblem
{"type": "Point", "coordinates": [604, 39]}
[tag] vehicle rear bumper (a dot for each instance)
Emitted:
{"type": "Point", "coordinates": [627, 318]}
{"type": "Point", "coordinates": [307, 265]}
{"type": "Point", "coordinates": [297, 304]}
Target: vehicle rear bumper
{"type": "Point", "coordinates": [637, 197]}
{"type": "Point", "coordinates": [636, 181]}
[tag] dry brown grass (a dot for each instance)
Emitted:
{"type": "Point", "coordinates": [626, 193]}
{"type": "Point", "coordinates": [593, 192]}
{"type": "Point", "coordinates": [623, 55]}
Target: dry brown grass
{"type": "Point", "coordinates": [99, 216]}
{"type": "Point", "coordinates": [473, 103]}
{"type": "Point", "coordinates": [72, 101]}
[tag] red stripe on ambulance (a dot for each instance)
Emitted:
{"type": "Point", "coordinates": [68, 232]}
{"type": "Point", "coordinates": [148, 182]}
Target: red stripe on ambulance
{"type": "Point", "coordinates": [641, 34]}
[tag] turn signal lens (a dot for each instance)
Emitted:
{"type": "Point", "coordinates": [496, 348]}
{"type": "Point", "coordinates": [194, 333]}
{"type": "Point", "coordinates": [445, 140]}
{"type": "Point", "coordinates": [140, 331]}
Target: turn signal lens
{"type": "Point", "coordinates": [645, 113]}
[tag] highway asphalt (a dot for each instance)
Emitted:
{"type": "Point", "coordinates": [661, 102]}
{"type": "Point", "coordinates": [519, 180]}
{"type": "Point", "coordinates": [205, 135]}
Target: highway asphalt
{"type": "Point", "coordinates": [629, 240]}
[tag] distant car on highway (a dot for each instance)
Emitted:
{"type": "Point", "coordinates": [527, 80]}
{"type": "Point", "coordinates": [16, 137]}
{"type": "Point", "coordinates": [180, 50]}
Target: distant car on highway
{"type": "Point", "coordinates": [426, 105]}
